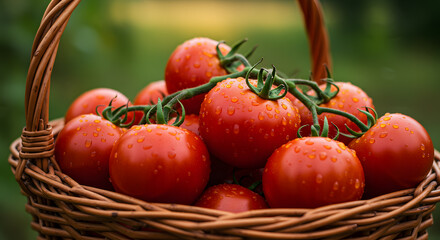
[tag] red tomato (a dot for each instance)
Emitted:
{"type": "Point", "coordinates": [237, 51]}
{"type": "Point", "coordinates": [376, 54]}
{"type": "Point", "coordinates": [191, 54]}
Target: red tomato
{"type": "Point", "coordinates": [192, 64]}
{"type": "Point", "coordinates": [83, 147]}
{"type": "Point", "coordinates": [160, 163]}
{"type": "Point", "coordinates": [87, 102]}
{"type": "Point", "coordinates": [311, 172]}
{"type": "Point", "coordinates": [191, 122]}
{"type": "Point", "coordinates": [349, 99]}
{"type": "Point", "coordinates": [396, 153]}
{"type": "Point", "coordinates": [232, 198]}
{"type": "Point", "coordinates": [151, 93]}
{"type": "Point", "coordinates": [243, 129]}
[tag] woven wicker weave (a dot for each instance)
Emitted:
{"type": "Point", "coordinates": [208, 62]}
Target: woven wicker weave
{"type": "Point", "coordinates": [61, 208]}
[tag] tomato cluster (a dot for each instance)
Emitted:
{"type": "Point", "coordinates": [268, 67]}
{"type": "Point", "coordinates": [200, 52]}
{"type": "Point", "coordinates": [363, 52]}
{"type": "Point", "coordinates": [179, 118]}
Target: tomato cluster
{"type": "Point", "coordinates": [247, 139]}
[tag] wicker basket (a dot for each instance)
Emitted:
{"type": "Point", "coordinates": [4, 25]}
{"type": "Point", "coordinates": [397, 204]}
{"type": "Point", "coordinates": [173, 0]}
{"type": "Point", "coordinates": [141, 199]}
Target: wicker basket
{"type": "Point", "coordinates": [62, 208]}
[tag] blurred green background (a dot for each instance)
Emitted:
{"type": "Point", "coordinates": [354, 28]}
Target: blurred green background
{"type": "Point", "coordinates": [389, 48]}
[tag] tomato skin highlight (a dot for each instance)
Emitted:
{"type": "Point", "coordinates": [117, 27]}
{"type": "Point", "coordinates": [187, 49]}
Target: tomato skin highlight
{"type": "Point", "coordinates": [396, 153]}
{"type": "Point", "coordinates": [98, 98]}
{"type": "Point", "coordinates": [243, 129]}
{"type": "Point", "coordinates": [232, 198]}
{"type": "Point", "coordinates": [160, 163]}
{"type": "Point", "coordinates": [191, 64]}
{"type": "Point", "coordinates": [349, 99]}
{"type": "Point", "coordinates": [83, 147]}
{"type": "Point", "coordinates": [311, 172]}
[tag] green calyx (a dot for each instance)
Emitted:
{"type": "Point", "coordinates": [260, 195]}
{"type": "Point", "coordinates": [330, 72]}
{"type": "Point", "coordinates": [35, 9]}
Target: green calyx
{"type": "Point", "coordinates": [371, 120]}
{"type": "Point", "coordinates": [315, 128]}
{"type": "Point", "coordinates": [232, 60]}
{"type": "Point", "coordinates": [265, 81]}
{"type": "Point", "coordinates": [163, 113]}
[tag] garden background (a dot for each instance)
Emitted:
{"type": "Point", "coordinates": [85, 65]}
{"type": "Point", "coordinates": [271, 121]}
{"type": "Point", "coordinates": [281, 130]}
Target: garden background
{"type": "Point", "coordinates": [389, 48]}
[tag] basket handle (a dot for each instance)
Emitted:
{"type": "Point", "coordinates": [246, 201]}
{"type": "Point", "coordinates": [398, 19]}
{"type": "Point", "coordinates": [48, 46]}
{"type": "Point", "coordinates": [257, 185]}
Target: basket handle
{"type": "Point", "coordinates": [44, 52]}
{"type": "Point", "coordinates": [318, 39]}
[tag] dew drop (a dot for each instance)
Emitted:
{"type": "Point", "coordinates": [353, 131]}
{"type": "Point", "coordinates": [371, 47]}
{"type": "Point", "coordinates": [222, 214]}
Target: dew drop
{"type": "Point", "coordinates": [234, 99]}
{"type": "Point", "coordinates": [323, 156]}
{"type": "Point", "coordinates": [231, 110]}
{"type": "Point", "coordinates": [268, 107]}
{"type": "Point", "coordinates": [147, 147]}
{"type": "Point", "coordinates": [357, 183]}
{"type": "Point", "coordinates": [318, 178]}
{"type": "Point", "coordinates": [171, 154]}
{"type": "Point", "coordinates": [88, 143]}
{"type": "Point", "coordinates": [383, 135]}
{"type": "Point", "coordinates": [284, 121]}
{"type": "Point", "coordinates": [236, 129]}
{"type": "Point", "coordinates": [372, 140]}
{"type": "Point", "coordinates": [336, 186]}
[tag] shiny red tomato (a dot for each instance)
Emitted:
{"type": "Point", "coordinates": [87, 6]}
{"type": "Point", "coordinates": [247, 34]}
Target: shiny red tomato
{"type": "Point", "coordinates": [396, 153]}
{"type": "Point", "coordinates": [232, 198]}
{"type": "Point", "coordinates": [100, 97]}
{"type": "Point", "coordinates": [149, 94]}
{"type": "Point", "coordinates": [242, 129]}
{"type": "Point", "coordinates": [194, 63]}
{"type": "Point", "coordinates": [160, 163]}
{"type": "Point", "coordinates": [83, 147]}
{"type": "Point", "coordinates": [311, 172]}
{"type": "Point", "coordinates": [191, 122]}
{"type": "Point", "coordinates": [349, 99]}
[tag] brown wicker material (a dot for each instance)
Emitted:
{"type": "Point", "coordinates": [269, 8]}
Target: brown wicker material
{"type": "Point", "coordinates": [61, 208]}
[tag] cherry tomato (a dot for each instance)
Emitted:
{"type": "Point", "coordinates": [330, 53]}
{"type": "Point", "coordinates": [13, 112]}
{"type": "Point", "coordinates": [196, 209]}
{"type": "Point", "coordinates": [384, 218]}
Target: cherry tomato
{"type": "Point", "coordinates": [83, 147]}
{"type": "Point", "coordinates": [242, 129]}
{"type": "Point", "coordinates": [160, 163]}
{"type": "Point", "coordinates": [191, 122]}
{"type": "Point", "coordinates": [99, 98]}
{"type": "Point", "coordinates": [151, 93]}
{"type": "Point", "coordinates": [396, 153]}
{"type": "Point", "coordinates": [349, 99]}
{"type": "Point", "coordinates": [232, 198]}
{"type": "Point", "coordinates": [311, 172]}
{"type": "Point", "coordinates": [194, 63]}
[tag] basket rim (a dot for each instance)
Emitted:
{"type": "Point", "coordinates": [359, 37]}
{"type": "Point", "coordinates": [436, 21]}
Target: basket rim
{"type": "Point", "coordinates": [287, 223]}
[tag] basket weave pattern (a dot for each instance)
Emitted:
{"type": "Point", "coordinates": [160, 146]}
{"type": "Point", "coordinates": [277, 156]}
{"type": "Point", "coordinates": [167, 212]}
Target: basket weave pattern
{"type": "Point", "coordinates": [62, 208]}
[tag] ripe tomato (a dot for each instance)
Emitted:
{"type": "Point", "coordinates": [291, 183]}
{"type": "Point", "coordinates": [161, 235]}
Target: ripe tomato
{"type": "Point", "coordinates": [349, 99]}
{"type": "Point", "coordinates": [87, 102]}
{"type": "Point", "coordinates": [191, 122]}
{"type": "Point", "coordinates": [192, 64]}
{"type": "Point", "coordinates": [311, 172]}
{"type": "Point", "coordinates": [232, 198]}
{"type": "Point", "coordinates": [83, 147]}
{"type": "Point", "coordinates": [242, 129]}
{"type": "Point", "coordinates": [396, 153]}
{"type": "Point", "coordinates": [149, 94]}
{"type": "Point", "coordinates": [160, 163]}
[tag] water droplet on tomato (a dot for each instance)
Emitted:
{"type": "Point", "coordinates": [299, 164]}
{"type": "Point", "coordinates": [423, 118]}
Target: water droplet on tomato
{"type": "Point", "coordinates": [357, 183]}
{"type": "Point", "coordinates": [318, 178]}
{"type": "Point", "coordinates": [236, 129]}
{"type": "Point", "coordinates": [336, 186]}
{"type": "Point", "coordinates": [231, 110]}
